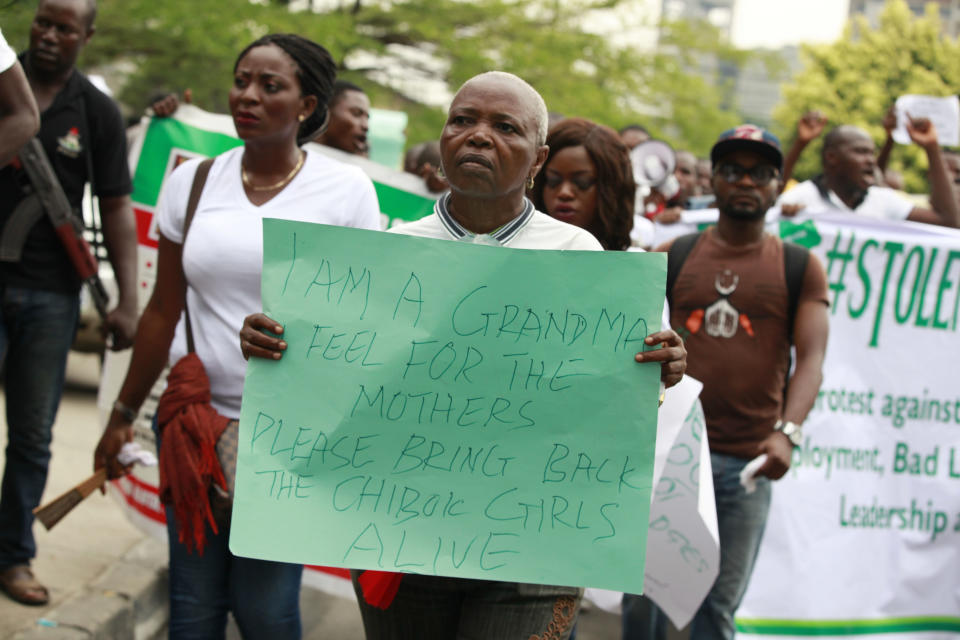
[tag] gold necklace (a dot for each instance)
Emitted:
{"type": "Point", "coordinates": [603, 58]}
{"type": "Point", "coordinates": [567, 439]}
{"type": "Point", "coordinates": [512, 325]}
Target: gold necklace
{"type": "Point", "coordinates": [278, 185]}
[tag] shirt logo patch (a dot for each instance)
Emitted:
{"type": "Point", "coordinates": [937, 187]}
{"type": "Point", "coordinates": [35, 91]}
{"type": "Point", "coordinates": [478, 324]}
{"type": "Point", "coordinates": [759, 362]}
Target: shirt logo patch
{"type": "Point", "coordinates": [721, 319]}
{"type": "Point", "coordinates": [69, 144]}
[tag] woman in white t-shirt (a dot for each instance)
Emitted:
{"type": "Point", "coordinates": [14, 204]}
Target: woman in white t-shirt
{"type": "Point", "coordinates": [281, 87]}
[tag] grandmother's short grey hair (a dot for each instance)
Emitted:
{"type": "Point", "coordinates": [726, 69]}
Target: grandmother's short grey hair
{"type": "Point", "coordinates": [540, 107]}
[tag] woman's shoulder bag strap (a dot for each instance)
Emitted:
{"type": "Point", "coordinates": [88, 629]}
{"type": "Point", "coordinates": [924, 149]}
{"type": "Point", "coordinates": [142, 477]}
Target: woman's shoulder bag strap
{"type": "Point", "coordinates": [199, 180]}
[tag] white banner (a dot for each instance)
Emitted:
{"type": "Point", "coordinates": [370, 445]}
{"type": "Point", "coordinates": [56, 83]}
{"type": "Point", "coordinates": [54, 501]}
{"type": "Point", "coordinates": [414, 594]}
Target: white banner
{"type": "Point", "coordinates": [864, 532]}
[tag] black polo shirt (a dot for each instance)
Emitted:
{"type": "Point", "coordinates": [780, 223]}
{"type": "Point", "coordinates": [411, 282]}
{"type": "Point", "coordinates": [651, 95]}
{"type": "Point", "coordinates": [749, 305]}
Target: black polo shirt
{"type": "Point", "coordinates": [68, 137]}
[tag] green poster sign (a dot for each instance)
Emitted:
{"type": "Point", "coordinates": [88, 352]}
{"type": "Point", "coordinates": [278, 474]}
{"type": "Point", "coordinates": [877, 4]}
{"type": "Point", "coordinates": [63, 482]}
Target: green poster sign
{"type": "Point", "coordinates": [451, 409]}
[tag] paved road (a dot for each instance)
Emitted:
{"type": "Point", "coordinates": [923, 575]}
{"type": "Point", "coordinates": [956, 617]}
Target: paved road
{"type": "Point", "coordinates": [97, 535]}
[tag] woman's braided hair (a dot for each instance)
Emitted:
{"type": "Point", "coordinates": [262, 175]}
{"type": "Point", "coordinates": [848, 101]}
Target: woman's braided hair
{"type": "Point", "coordinates": [316, 72]}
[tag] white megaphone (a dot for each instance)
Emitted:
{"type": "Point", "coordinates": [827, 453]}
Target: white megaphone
{"type": "Point", "coordinates": [653, 163]}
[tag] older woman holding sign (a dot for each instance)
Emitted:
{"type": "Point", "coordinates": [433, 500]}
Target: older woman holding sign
{"type": "Point", "coordinates": [492, 147]}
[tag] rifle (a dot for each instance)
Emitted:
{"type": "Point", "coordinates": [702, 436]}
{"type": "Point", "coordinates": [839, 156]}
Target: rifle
{"type": "Point", "coordinates": [45, 195]}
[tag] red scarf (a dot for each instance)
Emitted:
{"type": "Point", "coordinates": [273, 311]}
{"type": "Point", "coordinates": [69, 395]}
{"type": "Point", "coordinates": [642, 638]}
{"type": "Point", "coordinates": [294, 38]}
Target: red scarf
{"type": "Point", "coordinates": [189, 428]}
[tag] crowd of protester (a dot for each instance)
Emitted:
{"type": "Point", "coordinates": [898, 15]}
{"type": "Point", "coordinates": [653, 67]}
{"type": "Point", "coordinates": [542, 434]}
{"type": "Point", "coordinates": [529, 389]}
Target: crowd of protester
{"type": "Point", "coordinates": [507, 172]}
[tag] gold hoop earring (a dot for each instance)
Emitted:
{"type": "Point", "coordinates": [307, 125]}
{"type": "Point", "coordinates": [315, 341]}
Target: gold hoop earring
{"type": "Point", "coordinates": [301, 117]}
{"type": "Point", "coordinates": [440, 173]}
{"type": "Point", "coordinates": [530, 182]}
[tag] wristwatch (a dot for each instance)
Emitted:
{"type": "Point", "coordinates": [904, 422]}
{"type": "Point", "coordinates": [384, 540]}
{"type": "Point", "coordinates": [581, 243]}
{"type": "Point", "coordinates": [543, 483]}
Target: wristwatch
{"type": "Point", "coordinates": [128, 414]}
{"type": "Point", "coordinates": [792, 430]}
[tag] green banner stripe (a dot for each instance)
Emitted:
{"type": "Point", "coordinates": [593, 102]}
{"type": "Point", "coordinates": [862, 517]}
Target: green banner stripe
{"type": "Point", "coordinates": [162, 135]}
{"type": "Point", "coordinates": [397, 203]}
{"type": "Point", "coordinates": [847, 627]}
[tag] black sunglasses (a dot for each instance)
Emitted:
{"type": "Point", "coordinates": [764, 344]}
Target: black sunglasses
{"type": "Point", "coordinates": [581, 183]}
{"type": "Point", "coordinates": [760, 174]}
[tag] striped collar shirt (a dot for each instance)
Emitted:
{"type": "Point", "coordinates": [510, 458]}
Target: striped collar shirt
{"type": "Point", "coordinates": [500, 236]}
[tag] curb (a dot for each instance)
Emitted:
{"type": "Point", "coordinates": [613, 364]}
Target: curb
{"type": "Point", "coordinates": [127, 601]}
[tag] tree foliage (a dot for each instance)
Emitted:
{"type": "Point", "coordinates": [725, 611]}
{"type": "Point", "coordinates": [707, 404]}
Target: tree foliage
{"type": "Point", "coordinates": [680, 91]}
{"type": "Point", "coordinates": [855, 79]}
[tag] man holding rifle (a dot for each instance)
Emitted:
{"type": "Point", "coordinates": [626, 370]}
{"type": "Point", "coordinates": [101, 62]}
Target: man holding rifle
{"type": "Point", "coordinates": [42, 263]}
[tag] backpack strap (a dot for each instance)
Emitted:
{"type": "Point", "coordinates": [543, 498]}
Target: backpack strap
{"type": "Point", "coordinates": [676, 256]}
{"type": "Point", "coordinates": [199, 180]}
{"type": "Point", "coordinates": [795, 260]}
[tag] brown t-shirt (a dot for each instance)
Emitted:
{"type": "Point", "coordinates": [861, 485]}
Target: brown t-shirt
{"type": "Point", "coordinates": [730, 306]}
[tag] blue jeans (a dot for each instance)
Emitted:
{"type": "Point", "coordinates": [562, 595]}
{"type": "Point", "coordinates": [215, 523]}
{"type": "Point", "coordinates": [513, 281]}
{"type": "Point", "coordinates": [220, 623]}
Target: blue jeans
{"type": "Point", "coordinates": [741, 519]}
{"type": "Point", "coordinates": [263, 595]}
{"type": "Point", "coordinates": [36, 330]}
{"type": "Point", "coordinates": [436, 608]}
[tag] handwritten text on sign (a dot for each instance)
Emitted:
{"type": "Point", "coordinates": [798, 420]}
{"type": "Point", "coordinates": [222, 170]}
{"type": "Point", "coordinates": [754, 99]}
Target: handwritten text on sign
{"type": "Point", "coordinates": [451, 409]}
